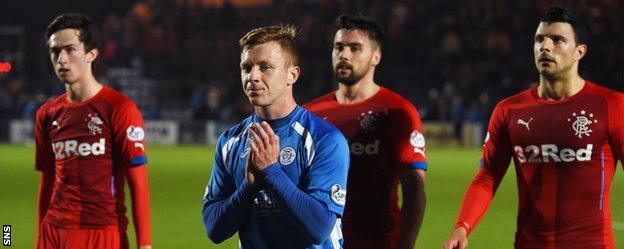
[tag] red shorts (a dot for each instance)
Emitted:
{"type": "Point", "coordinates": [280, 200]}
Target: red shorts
{"type": "Point", "coordinates": [55, 237]}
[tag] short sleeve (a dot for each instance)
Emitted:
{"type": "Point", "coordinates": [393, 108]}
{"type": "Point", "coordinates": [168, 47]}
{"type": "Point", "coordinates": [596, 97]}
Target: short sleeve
{"type": "Point", "coordinates": [44, 156]}
{"type": "Point", "coordinates": [129, 134]}
{"type": "Point", "coordinates": [326, 180]}
{"type": "Point", "coordinates": [408, 137]}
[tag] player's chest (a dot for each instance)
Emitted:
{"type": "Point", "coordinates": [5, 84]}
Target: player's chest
{"type": "Point", "coordinates": [293, 157]}
{"type": "Point", "coordinates": [557, 132]}
{"type": "Point", "coordinates": [360, 123]}
{"type": "Point", "coordinates": [83, 131]}
{"type": "Point", "coordinates": [81, 123]}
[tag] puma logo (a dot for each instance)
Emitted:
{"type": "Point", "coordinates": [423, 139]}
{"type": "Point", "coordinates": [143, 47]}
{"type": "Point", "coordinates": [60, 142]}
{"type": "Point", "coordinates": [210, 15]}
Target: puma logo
{"type": "Point", "coordinates": [525, 123]}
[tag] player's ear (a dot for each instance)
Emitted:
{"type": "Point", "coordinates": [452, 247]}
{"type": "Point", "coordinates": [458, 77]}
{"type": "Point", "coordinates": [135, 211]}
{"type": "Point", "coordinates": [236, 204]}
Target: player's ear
{"type": "Point", "coordinates": [293, 75]}
{"type": "Point", "coordinates": [580, 52]}
{"type": "Point", "coordinates": [376, 57]}
{"type": "Point", "coordinates": [92, 55]}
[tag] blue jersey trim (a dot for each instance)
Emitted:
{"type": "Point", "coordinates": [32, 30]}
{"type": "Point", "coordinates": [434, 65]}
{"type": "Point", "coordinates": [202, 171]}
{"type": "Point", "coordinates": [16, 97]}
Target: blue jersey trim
{"type": "Point", "coordinates": [419, 165]}
{"type": "Point", "coordinates": [138, 160]}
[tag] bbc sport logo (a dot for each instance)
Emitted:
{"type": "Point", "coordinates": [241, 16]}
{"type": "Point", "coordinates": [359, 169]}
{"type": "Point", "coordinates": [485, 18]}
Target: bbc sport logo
{"type": "Point", "coordinates": [6, 235]}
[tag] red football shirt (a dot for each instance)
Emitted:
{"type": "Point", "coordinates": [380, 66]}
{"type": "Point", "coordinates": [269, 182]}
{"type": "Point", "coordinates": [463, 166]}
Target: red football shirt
{"type": "Point", "coordinates": [385, 138]}
{"type": "Point", "coordinates": [565, 153]}
{"type": "Point", "coordinates": [89, 145]}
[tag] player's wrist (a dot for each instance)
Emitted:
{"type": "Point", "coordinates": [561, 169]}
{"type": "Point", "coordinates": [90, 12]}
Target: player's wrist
{"type": "Point", "coordinates": [270, 170]}
{"type": "Point", "coordinates": [461, 231]}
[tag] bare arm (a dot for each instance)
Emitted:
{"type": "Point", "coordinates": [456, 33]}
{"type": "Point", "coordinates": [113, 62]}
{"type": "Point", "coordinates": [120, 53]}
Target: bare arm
{"type": "Point", "coordinates": [413, 209]}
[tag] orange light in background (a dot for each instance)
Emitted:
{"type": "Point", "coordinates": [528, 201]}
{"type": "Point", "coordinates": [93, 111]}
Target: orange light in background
{"type": "Point", "coordinates": [5, 67]}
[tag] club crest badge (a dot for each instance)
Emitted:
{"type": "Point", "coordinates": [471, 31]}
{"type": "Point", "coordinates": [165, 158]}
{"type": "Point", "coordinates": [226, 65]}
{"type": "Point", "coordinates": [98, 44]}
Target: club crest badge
{"type": "Point", "coordinates": [369, 121]}
{"type": "Point", "coordinates": [93, 123]}
{"type": "Point", "coordinates": [338, 195]}
{"type": "Point", "coordinates": [287, 155]}
{"type": "Point", "coordinates": [581, 123]}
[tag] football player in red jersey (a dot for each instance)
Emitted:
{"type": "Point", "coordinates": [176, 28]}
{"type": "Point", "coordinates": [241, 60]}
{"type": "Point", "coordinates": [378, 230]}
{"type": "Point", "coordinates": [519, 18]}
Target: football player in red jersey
{"type": "Point", "coordinates": [565, 136]}
{"type": "Point", "coordinates": [385, 138]}
{"type": "Point", "coordinates": [88, 141]}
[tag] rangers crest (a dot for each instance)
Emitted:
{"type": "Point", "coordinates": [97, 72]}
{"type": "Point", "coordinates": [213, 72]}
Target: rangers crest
{"type": "Point", "coordinates": [368, 121]}
{"type": "Point", "coordinates": [581, 123]}
{"type": "Point", "coordinates": [93, 123]}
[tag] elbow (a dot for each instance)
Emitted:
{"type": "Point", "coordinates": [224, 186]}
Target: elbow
{"type": "Point", "coordinates": [317, 239]}
{"type": "Point", "coordinates": [319, 236]}
{"type": "Point", "coordinates": [215, 237]}
{"type": "Point", "coordinates": [213, 233]}
{"type": "Point", "coordinates": [211, 226]}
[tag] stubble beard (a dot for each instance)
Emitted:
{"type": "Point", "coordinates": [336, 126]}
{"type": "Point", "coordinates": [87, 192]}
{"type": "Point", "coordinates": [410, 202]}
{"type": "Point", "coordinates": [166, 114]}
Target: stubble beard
{"type": "Point", "coordinates": [349, 79]}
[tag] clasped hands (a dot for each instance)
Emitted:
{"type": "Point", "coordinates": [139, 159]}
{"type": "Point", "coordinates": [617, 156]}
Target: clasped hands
{"type": "Point", "coordinates": [264, 151]}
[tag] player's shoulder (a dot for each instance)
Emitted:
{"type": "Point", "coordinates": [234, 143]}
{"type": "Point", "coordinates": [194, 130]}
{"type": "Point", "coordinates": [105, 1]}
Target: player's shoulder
{"type": "Point", "coordinates": [518, 100]}
{"type": "Point", "coordinates": [393, 98]}
{"type": "Point", "coordinates": [317, 127]}
{"type": "Point", "coordinates": [51, 105]}
{"type": "Point", "coordinates": [115, 98]}
{"type": "Point", "coordinates": [235, 131]}
{"type": "Point", "coordinates": [321, 102]}
{"type": "Point", "coordinates": [610, 95]}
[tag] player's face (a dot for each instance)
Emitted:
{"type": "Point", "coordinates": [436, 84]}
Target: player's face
{"type": "Point", "coordinates": [555, 49]}
{"type": "Point", "coordinates": [353, 55]}
{"type": "Point", "coordinates": [266, 75]}
{"type": "Point", "coordinates": [69, 58]}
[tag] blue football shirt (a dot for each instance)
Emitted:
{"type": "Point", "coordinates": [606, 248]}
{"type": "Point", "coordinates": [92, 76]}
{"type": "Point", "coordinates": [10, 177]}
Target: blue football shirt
{"type": "Point", "coordinates": [314, 155]}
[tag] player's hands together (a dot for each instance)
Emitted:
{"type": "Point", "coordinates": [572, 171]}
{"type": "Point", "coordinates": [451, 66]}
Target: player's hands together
{"type": "Point", "coordinates": [145, 247]}
{"type": "Point", "coordinates": [457, 240]}
{"type": "Point", "coordinates": [264, 146]}
{"type": "Point", "coordinates": [251, 173]}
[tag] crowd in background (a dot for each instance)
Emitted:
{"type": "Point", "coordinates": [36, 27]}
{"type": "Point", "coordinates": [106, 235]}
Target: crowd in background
{"type": "Point", "coordinates": [453, 59]}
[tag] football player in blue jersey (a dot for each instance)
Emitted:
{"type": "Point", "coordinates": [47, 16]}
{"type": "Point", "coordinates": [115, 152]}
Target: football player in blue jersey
{"type": "Point", "coordinates": [279, 176]}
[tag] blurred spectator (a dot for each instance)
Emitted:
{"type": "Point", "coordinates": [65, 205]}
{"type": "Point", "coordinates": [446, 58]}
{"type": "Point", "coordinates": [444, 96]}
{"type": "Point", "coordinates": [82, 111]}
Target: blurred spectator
{"type": "Point", "coordinates": [471, 50]}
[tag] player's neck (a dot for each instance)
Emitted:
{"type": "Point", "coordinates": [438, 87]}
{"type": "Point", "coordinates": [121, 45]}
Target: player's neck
{"type": "Point", "coordinates": [276, 110]}
{"type": "Point", "coordinates": [358, 92]}
{"type": "Point", "coordinates": [559, 88]}
{"type": "Point", "coordinates": [82, 89]}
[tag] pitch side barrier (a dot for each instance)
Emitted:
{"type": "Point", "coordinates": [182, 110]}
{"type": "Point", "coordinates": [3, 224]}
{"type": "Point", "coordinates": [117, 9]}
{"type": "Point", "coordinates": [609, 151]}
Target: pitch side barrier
{"type": "Point", "coordinates": [157, 131]}
{"type": "Point", "coordinates": [172, 132]}
{"type": "Point", "coordinates": [444, 134]}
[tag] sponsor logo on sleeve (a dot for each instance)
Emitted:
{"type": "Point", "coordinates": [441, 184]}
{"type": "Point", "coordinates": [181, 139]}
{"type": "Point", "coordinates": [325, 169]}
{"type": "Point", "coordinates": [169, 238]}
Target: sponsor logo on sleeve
{"type": "Point", "coordinates": [338, 195]}
{"type": "Point", "coordinates": [135, 133]}
{"type": "Point", "coordinates": [418, 142]}
{"type": "Point", "coordinates": [287, 155]}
